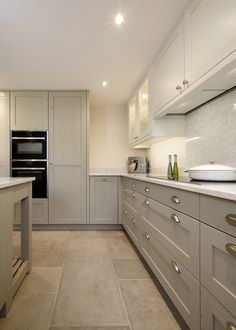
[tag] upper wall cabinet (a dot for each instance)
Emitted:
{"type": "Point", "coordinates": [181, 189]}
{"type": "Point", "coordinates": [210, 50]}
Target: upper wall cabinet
{"type": "Point", "coordinates": [210, 35]}
{"type": "Point", "coordinates": [168, 72]}
{"type": "Point", "coordinates": [199, 59]}
{"type": "Point", "coordinates": [133, 120]}
{"type": "Point", "coordinates": [139, 116]}
{"type": "Point", "coordinates": [29, 111]}
{"type": "Point", "coordinates": [142, 128]}
{"type": "Point", "coordinates": [143, 106]}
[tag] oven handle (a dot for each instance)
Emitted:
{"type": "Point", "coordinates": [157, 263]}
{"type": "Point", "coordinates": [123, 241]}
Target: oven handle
{"type": "Point", "coordinates": [28, 138]}
{"type": "Point", "coordinates": [29, 168]}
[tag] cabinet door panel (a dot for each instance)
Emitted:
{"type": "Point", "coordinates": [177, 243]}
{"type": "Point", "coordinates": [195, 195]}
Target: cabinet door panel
{"type": "Point", "coordinates": [103, 200]}
{"type": "Point", "coordinates": [67, 198]}
{"type": "Point", "coordinates": [213, 314]}
{"type": "Point", "coordinates": [218, 265]}
{"type": "Point", "coordinates": [68, 129]}
{"type": "Point", "coordinates": [29, 111]}
{"type": "Point", "coordinates": [67, 158]}
{"type": "Point", "coordinates": [169, 71]}
{"type": "Point", "coordinates": [4, 134]}
{"type": "Point", "coordinates": [210, 35]}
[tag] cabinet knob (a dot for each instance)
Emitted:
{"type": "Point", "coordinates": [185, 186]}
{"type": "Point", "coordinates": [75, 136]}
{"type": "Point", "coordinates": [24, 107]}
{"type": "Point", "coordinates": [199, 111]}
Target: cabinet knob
{"type": "Point", "coordinates": [133, 194]}
{"type": "Point", "coordinates": [176, 267]}
{"type": "Point", "coordinates": [185, 82]}
{"type": "Point", "coordinates": [178, 88]}
{"type": "Point", "coordinates": [175, 218]}
{"type": "Point", "coordinates": [231, 219]}
{"type": "Point", "coordinates": [230, 326]}
{"type": "Point", "coordinates": [133, 221]}
{"type": "Point", "coordinates": [133, 184]}
{"type": "Point", "coordinates": [135, 137]}
{"type": "Point", "coordinates": [125, 190]}
{"type": "Point", "coordinates": [147, 189]}
{"type": "Point", "coordinates": [147, 236]}
{"type": "Point", "coordinates": [125, 212]}
{"type": "Point", "coordinates": [146, 202]}
{"type": "Point", "coordinates": [231, 249]}
{"type": "Point", "coordinates": [103, 179]}
{"type": "Point", "coordinates": [175, 199]}
{"type": "Point", "coordinates": [50, 163]}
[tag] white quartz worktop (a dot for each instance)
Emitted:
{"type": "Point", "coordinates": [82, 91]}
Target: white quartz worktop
{"type": "Point", "coordinates": [107, 174]}
{"type": "Point", "coordinates": [6, 182]}
{"type": "Point", "coordinates": [217, 189]}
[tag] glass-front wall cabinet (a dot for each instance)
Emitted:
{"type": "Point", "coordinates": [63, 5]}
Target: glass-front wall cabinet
{"type": "Point", "coordinates": [139, 117]}
{"type": "Point", "coordinates": [143, 110]}
{"type": "Point", "coordinates": [133, 131]}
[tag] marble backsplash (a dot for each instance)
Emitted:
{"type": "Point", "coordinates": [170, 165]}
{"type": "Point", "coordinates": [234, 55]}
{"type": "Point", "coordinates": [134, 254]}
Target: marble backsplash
{"type": "Point", "coordinates": [211, 132]}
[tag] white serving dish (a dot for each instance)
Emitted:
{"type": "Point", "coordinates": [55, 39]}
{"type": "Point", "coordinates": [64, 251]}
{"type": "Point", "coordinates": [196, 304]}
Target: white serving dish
{"type": "Point", "coordinates": [212, 172]}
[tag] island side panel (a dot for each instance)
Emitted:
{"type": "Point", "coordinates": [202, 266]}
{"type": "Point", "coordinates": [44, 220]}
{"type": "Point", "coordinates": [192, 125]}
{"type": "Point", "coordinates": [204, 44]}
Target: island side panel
{"type": "Point", "coordinates": [26, 227]}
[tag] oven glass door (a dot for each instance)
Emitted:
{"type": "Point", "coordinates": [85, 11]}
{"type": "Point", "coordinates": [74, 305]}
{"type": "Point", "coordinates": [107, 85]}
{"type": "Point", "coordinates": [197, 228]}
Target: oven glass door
{"type": "Point", "coordinates": [29, 149]}
{"type": "Point", "coordinates": [39, 186]}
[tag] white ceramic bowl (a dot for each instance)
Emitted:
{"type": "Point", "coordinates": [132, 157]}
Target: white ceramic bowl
{"type": "Point", "coordinates": [212, 172]}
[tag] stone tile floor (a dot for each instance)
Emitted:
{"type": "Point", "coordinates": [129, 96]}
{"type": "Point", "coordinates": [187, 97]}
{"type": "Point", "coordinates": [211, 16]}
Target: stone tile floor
{"type": "Point", "coordinates": [87, 280]}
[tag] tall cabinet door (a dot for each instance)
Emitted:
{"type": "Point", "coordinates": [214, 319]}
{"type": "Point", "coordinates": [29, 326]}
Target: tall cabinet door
{"type": "Point", "coordinates": [4, 134]}
{"type": "Point", "coordinates": [67, 157]}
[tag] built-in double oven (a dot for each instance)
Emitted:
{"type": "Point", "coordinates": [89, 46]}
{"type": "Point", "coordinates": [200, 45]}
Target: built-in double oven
{"type": "Point", "coordinates": [29, 159]}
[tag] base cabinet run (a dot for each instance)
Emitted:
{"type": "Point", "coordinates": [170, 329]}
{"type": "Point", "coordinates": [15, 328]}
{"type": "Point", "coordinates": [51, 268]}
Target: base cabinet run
{"type": "Point", "coordinates": [194, 262]}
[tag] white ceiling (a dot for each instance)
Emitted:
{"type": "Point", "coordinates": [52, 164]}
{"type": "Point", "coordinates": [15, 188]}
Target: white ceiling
{"type": "Point", "coordinates": [74, 44]}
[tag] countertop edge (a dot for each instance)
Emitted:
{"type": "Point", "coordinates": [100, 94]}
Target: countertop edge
{"type": "Point", "coordinates": [6, 182]}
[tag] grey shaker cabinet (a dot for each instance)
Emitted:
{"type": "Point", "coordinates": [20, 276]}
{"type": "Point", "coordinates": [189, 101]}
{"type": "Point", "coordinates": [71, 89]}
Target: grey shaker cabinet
{"type": "Point", "coordinates": [219, 213]}
{"type": "Point", "coordinates": [213, 315]}
{"type": "Point", "coordinates": [180, 285]}
{"type": "Point", "coordinates": [29, 111]}
{"type": "Point", "coordinates": [131, 224]}
{"type": "Point", "coordinates": [178, 232]}
{"type": "Point", "coordinates": [103, 200]}
{"type": "Point", "coordinates": [67, 157]}
{"type": "Point", "coordinates": [4, 134]}
{"type": "Point", "coordinates": [218, 266]}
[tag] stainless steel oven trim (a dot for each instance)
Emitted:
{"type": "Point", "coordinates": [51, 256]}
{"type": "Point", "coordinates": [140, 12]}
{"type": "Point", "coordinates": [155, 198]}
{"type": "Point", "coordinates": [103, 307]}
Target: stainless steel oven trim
{"type": "Point", "coordinates": [29, 160]}
{"type": "Point", "coordinates": [28, 138]}
{"type": "Point", "coordinates": [29, 168]}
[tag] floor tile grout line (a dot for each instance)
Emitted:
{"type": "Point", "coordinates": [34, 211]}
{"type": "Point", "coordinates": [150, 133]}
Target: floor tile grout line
{"type": "Point", "coordinates": [56, 295]}
{"type": "Point", "coordinates": [121, 296]}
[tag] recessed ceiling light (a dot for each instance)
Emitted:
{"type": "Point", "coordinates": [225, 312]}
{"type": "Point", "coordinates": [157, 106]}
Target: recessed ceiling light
{"type": "Point", "coordinates": [119, 19]}
{"type": "Point", "coordinates": [104, 83]}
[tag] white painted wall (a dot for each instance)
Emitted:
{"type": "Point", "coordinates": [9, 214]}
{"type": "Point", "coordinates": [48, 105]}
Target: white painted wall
{"type": "Point", "coordinates": [109, 139]}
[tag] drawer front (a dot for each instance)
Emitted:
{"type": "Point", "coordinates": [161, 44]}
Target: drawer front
{"type": "Point", "coordinates": [183, 201]}
{"type": "Point", "coordinates": [129, 183]}
{"type": "Point", "coordinates": [130, 222]}
{"type": "Point", "coordinates": [130, 199]}
{"type": "Point", "coordinates": [218, 266]}
{"type": "Point", "coordinates": [180, 285]}
{"type": "Point", "coordinates": [219, 213]}
{"type": "Point", "coordinates": [213, 315]}
{"type": "Point", "coordinates": [177, 231]}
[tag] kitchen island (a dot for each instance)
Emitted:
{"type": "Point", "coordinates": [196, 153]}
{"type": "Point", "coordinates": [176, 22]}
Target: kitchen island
{"type": "Point", "coordinates": [13, 270]}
